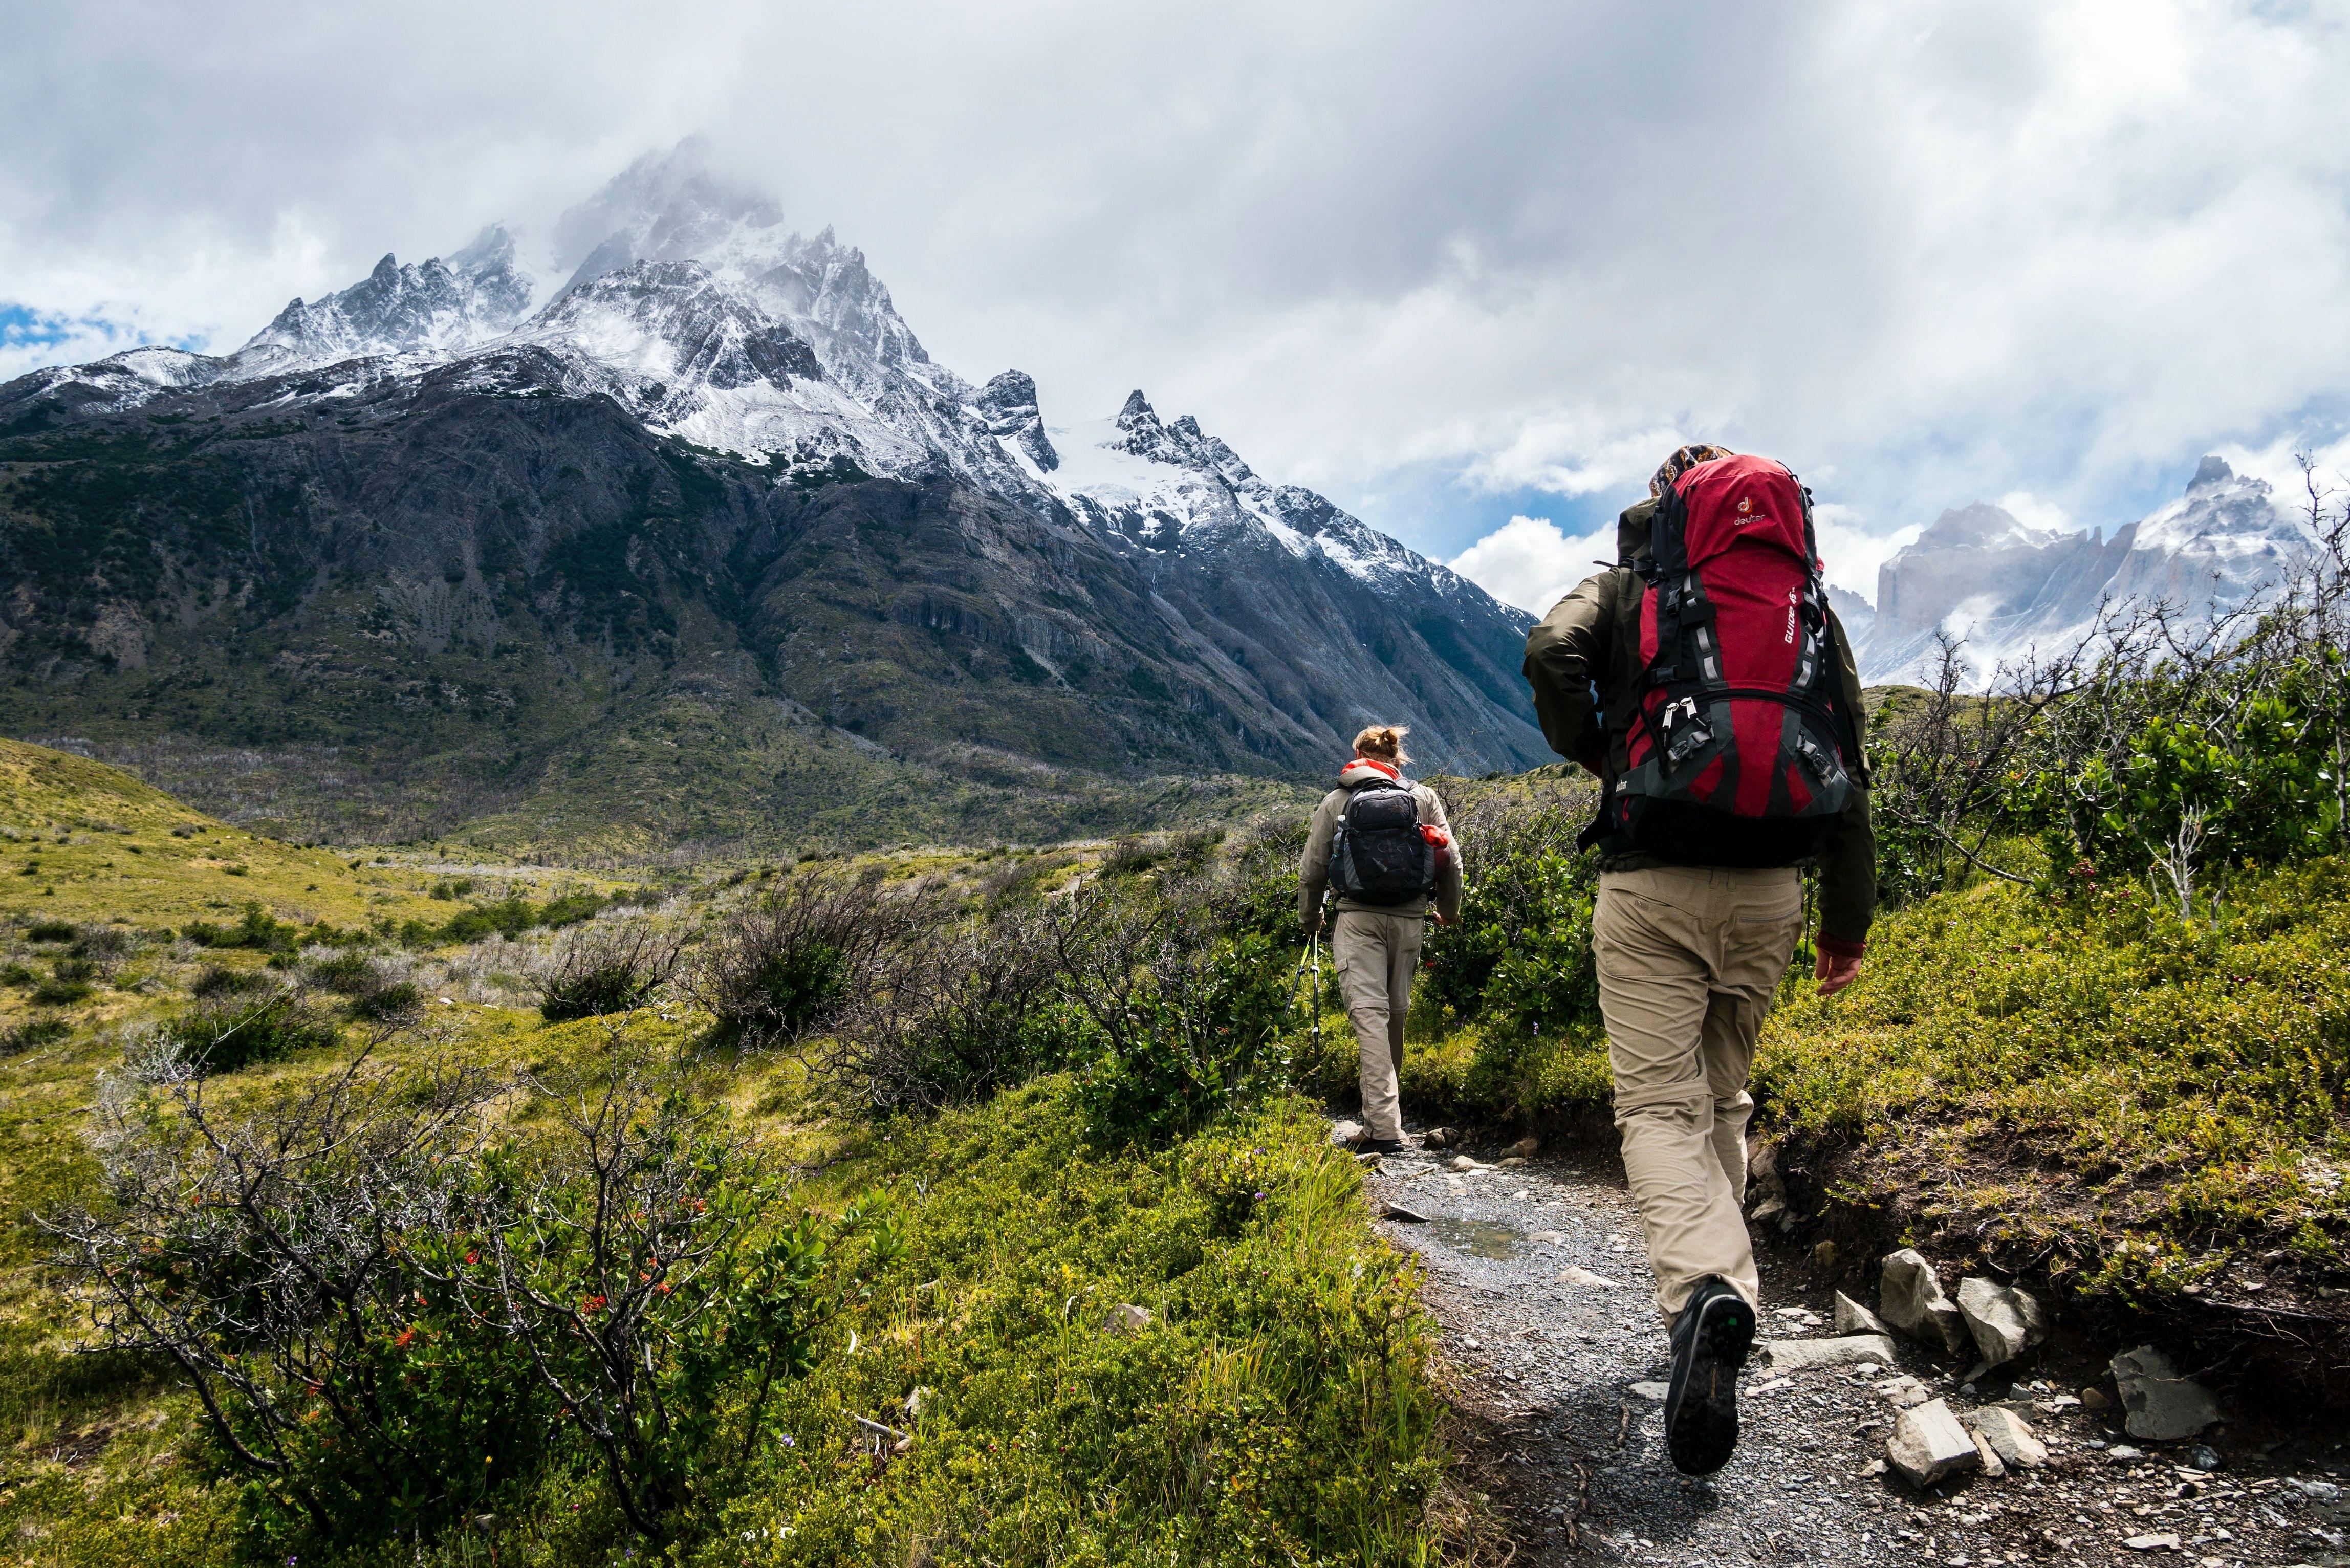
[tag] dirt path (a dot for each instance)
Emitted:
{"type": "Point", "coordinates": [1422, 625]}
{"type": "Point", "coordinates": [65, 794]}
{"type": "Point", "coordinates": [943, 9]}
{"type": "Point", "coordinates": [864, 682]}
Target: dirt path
{"type": "Point", "coordinates": [1570, 1445]}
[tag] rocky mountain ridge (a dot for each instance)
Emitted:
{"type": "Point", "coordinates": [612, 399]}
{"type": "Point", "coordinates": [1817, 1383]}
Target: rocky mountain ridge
{"type": "Point", "coordinates": [2008, 589]}
{"type": "Point", "coordinates": [693, 463]}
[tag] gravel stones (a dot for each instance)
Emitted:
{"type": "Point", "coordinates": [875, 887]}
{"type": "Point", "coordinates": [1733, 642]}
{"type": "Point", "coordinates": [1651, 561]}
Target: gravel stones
{"type": "Point", "coordinates": [1797, 1355]}
{"type": "Point", "coordinates": [1928, 1445]}
{"type": "Point", "coordinates": [2005, 1321]}
{"type": "Point", "coordinates": [1910, 1298]}
{"type": "Point", "coordinates": [2159, 1405]}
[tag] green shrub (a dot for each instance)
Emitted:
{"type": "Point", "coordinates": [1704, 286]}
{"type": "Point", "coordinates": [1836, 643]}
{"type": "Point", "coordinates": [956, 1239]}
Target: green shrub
{"type": "Point", "coordinates": [219, 981]}
{"type": "Point", "coordinates": [16, 975]}
{"type": "Point", "coordinates": [393, 1002]}
{"type": "Point", "coordinates": [1181, 1027]}
{"type": "Point", "coordinates": [258, 930]}
{"type": "Point", "coordinates": [344, 973]}
{"type": "Point", "coordinates": [34, 1034]}
{"type": "Point", "coordinates": [52, 931]}
{"type": "Point", "coordinates": [220, 1036]}
{"type": "Point", "coordinates": [609, 968]}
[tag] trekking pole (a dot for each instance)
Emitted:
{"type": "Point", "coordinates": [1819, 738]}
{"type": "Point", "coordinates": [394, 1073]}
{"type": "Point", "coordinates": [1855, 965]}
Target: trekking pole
{"type": "Point", "coordinates": [1316, 960]}
{"type": "Point", "coordinates": [1311, 965]}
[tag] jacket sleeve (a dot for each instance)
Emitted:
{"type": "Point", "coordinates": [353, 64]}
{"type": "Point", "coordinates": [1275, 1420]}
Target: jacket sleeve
{"type": "Point", "coordinates": [1314, 861]}
{"type": "Point", "coordinates": [1450, 869]}
{"type": "Point", "coordinates": [1566, 652]}
{"type": "Point", "coordinates": [1849, 860]}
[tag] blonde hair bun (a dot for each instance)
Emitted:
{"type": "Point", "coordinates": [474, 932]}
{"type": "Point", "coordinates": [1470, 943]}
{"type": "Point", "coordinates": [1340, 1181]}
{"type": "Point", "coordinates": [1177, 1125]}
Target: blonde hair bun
{"type": "Point", "coordinates": [1384, 741]}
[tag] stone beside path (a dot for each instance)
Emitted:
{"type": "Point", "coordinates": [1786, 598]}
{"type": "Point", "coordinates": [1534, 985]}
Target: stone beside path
{"type": "Point", "coordinates": [1556, 1359]}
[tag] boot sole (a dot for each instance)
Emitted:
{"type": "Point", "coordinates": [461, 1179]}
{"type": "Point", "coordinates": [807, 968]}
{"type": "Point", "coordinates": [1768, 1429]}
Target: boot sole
{"type": "Point", "coordinates": [1702, 1428]}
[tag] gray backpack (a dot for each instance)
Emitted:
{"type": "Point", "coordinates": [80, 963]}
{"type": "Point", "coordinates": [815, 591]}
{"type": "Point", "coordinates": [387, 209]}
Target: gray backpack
{"type": "Point", "coordinates": [1378, 854]}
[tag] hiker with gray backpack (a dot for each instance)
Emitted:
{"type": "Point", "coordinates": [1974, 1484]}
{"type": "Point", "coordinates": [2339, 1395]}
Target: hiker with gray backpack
{"type": "Point", "coordinates": [1379, 843]}
{"type": "Point", "coordinates": [1707, 684]}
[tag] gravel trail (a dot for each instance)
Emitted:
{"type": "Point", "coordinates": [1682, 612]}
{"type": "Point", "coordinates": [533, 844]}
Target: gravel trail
{"type": "Point", "coordinates": [1560, 1385]}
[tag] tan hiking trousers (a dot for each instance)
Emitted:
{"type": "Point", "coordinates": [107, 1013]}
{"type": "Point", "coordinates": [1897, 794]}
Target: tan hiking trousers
{"type": "Point", "coordinates": [1376, 954]}
{"type": "Point", "coordinates": [1688, 961]}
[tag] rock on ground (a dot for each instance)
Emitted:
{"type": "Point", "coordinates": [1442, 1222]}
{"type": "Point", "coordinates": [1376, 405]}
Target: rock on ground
{"type": "Point", "coordinates": [1928, 1445]}
{"type": "Point", "coordinates": [2009, 1435]}
{"type": "Point", "coordinates": [1851, 1317]}
{"type": "Point", "coordinates": [2005, 1321]}
{"type": "Point", "coordinates": [1795, 1355]}
{"type": "Point", "coordinates": [2162, 1406]}
{"type": "Point", "coordinates": [1910, 1298]}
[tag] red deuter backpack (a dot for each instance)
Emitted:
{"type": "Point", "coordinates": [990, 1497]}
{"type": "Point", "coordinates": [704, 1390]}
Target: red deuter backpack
{"type": "Point", "coordinates": [1736, 751]}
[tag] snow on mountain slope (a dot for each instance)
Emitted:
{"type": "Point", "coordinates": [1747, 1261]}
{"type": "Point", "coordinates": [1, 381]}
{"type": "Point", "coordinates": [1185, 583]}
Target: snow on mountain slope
{"type": "Point", "coordinates": [2008, 590]}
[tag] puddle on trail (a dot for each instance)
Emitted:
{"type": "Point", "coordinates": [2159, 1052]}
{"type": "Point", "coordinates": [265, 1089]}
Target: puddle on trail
{"type": "Point", "coordinates": [1479, 1238]}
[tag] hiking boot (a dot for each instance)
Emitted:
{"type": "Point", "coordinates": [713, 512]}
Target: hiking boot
{"type": "Point", "coordinates": [1711, 1339]}
{"type": "Point", "coordinates": [1384, 1146]}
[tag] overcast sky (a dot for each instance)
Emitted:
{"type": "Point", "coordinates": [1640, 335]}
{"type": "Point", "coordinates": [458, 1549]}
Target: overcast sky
{"type": "Point", "coordinates": [1470, 270]}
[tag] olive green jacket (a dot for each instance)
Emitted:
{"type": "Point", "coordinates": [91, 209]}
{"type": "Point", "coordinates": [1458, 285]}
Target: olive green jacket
{"type": "Point", "coordinates": [1591, 639]}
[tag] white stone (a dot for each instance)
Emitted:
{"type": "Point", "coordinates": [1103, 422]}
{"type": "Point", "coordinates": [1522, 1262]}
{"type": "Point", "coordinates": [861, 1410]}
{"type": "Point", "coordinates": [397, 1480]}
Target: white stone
{"type": "Point", "coordinates": [1345, 1132]}
{"type": "Point", "coordinates": [1464, 1164]}
{"type": "Point", "coordinates": [1526, 1147]}
{"type": "Point", "coordinates": [2160, 1405]}
{"type": "Point", "coordinates": [1576, 1275]}
{"type": "Point", "coordinates": [1652, 1390]}
{"type": "Point", "coordinates": [2162, 1541]}
{"type": "Point", "coordinates": [2005, 1321]}
{"type": "Point", "coordinates": [1910, 1298]}
{"type": "Point", "coordinates": [2011, 1437]}
{"type": "Point", "coordinates": [1927, 1445]}
{"type": "Point", "coordinates": [1851, 1317]}
{"type": "Point", "coordinates": [1992, 1465]}
{"type": "Point", "coordinates": [1797, 1355]}
{"type": "Point", "coordinates": [1127, 1318]}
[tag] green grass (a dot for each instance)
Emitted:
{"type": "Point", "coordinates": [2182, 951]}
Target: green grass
{"type": "Point", "coordinates": [2155, 1101]}
{"type": "Point", "coordinates": [1277, 1407]}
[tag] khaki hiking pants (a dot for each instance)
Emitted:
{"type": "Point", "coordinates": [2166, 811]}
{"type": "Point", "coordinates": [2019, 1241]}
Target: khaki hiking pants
{"type": "Point", "coordinates": [1688, 961]}
{"type": "Point", "coordinates": [1376, 954]}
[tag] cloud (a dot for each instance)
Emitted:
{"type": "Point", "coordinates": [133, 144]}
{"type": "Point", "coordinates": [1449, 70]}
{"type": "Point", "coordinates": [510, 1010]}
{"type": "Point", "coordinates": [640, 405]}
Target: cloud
{"type": "Point", "coordinates": [1925, 252]}
{"type": "Point", "coordinates": [1529, 563]}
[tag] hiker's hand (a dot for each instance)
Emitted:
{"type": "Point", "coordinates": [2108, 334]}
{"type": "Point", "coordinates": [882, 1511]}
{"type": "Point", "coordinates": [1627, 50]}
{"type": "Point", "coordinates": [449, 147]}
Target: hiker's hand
{"type": "Point", "coordinates": [1442, 919]}
{"type": "Point", "coordinates": [1834, 973]}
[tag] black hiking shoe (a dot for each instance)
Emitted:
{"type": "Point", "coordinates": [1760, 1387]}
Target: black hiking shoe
{"type": "Point", "coordinates": [1383, 1146]}
{"type": "Point", "coordinates": [1711, 1339]}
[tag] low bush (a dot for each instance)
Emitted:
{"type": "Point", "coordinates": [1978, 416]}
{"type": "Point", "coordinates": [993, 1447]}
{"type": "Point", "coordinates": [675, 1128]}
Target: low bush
{"type": "Point", "coordinates": [394, 1002]}
{"type": "Point", "coordinates": [607, 968]}
{"type": "Point", "coordinates": [257, 929]}
{"type": "Point", "coordinates": [972, 1010]}
{"type": "Point", "coordinates": [29, 1036]}
{"type": "Point", "coordinates": [1182, 1025]}
{"type": "Point", "coordinates": [217, 980]}
{"type": "Point", "coordinates": [791, 963]}
{"type": "Point", "coordinates": [52, 931]}
{"type": "Point", "coordinates": [225, 1034]}
{"type": "Point", "coordinates": [393, 1326]}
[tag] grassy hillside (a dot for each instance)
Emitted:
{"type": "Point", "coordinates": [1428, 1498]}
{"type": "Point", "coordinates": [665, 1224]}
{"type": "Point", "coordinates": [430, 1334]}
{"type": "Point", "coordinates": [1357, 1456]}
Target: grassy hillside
{"type": "Point", "coordinates": [81, 842]}
{"type": "Point", "coordinates": [950, 1277]}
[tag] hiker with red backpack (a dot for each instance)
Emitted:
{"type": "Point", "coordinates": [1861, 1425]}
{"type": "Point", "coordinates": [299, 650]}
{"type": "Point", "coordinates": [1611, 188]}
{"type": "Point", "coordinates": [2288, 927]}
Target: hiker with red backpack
{"type": "Point", "coordinates": [1382, 844]}
{"type": "Point", "coordinates": [1706, 682]}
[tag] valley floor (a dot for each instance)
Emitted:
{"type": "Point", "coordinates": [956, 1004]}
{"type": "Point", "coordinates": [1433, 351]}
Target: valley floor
{"type": "Point", "coordinates": [1560, 1434]}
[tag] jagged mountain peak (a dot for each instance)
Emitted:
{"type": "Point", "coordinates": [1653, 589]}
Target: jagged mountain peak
{"type": "Point", "coordinates": [2008, 590]}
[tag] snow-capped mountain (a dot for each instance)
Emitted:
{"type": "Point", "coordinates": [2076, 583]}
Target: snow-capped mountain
{"type": "Point", "coordinates": [673, 424]}
{"type": "Point", "coordinates": [2008, 588]}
